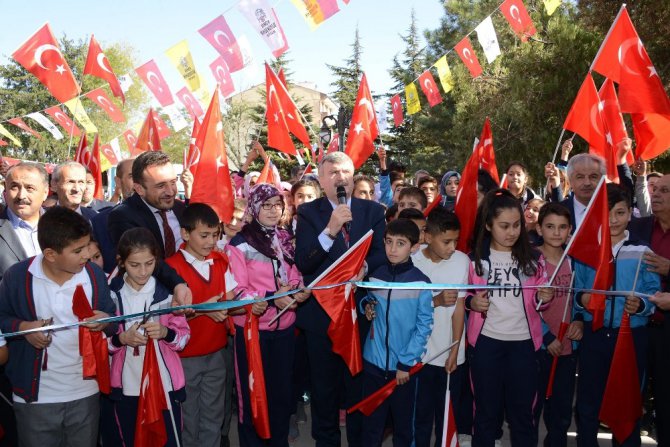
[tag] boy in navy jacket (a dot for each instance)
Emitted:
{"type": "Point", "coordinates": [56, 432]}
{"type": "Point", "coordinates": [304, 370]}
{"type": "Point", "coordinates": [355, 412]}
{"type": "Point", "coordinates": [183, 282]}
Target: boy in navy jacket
{"type": "Point", "coordinates": [53, 403]}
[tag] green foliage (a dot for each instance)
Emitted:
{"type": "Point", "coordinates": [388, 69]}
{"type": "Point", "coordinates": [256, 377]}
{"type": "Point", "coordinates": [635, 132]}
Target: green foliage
{"type": "Point", "coordinates": [348, 76]}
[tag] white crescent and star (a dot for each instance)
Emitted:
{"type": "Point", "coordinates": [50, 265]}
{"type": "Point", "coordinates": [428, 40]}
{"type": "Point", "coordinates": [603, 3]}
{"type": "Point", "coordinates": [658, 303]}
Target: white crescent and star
{"type": "Point", "coordinates": [428, 85]}
{"type": "Point", "coordinates": [595, 110]}
{"type": "Point", "coordinates": [61, 118]}
{"type": "Point", "coordinates": [216, 35]}
{"type": "Point", "coordinates": [102, 62]}
{"type": "Point", "coordinates": [106, 103]}
{"type": "Point", "coordinates": [41, 49]}
{"type": "Point", "coordinates": [150, 76]}
{"type": "Point", "coordinates": [516, 16]}
{"type": "Point", "coordinates": [468, 55]}
{"type": "Point", "coordinates": [623, 51]}
{"type": "Point", "coordinates": [221, 74]}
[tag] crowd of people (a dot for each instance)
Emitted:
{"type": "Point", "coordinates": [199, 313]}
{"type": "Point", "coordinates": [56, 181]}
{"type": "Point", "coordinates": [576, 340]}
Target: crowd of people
{"type": "Point", "coordinates": [147, 249]}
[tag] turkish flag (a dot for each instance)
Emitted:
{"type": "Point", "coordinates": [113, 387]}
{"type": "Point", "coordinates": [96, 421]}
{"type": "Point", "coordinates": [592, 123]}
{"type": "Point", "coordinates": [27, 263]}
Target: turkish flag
{"type": "Point", "coordinates": [152, 77]}
{"type": "Point", "coordinates": [615, 128]}
{"type": "Point", "coordinates": [468, 56]}
{"type": "Point", "coordinates": [222, 75]}
{"type": "Point", "coordinates": [260, 417]}
{"type": "Point", "coordinates": [278, 135]}
{"type": "Point", "coordinates": [431, 206]}
{"type": "Point", "coordinates": [192, 157]}
{"type": "Point", "coordinates": [340, 305]}
{"type": "Point", "coordinates": [449, 431]}
{"type": "Point", "coordinates": [99, 97]}
{"type": "Point", "coordinates": [190, 102]}
{"type": "Point", "coordinates": [107, 151]}
{"type": "Point", "coordinates": [92, 345]}
{"type": "Point", "coordinates": [591, 244]}
{"type": "Point", "coordinates": [149, 139]}
{"type": "Point", "coordinates": [487, 156]}
{"type": "Point", "coordinates": [150, 425]}
{"type": "Point", "coordinates": [368, 405]}
{"type": "Point", "coordinates": [623, 59]}
{"type": "Point", "coordinates": [396, 106]}
{"type": "Point", "coordinates": [622, 401]}
{"type": "Point", "coordinates": [517, 16]}
{"type": "Point", "coordinates": [429, 88]}
{"type": "Point", "coordinates": [290, 110]}
{"type": "Point", "coordinates": [269, 174]}
{"type": "Point", "coordinates": [282, 77]}
{"type": "Point", "coordinates": [42, 56]}
{"type": "Point", "coordinates": [363, 128]}
{"type": "Point", "coordinates": [90, 158]}
{"type": "Point", "coordinates": [652, 134]}
{"type": "Point", "coordinates": [63, 120]}
{"type": "Point", "coordinates": [562, 329]}
{"type": "Point", "coordinates": [466, 201]}
{"type": "Point", "coordinates": [585, 119]}
{"type": "Point", "coordinates": [98, 65]}
{"type": "Point", "coordinates": [18, 122]}
{"type": "Point", "coordinates": [212, 183]}
{"type": "Point", "coordinates": [3, 143]}
{"type": "Point", "coordinates": [131, 140]}
{"type": "Point", "coordinates": [219, 35]}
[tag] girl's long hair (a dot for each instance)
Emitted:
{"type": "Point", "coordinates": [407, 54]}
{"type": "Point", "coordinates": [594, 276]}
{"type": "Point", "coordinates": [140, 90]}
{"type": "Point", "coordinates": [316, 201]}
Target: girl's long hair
{"type": "Point", "coordinates": [133, 240]}
{"type": "Point", "coordinates": [493, 204]}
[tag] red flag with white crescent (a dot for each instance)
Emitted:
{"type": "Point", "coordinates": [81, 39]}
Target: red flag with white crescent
{"type": "Point", "coordinates": [42, 56]}
{"type": "Point", "coordinates": [149, 138]}
{"type": "Point", "coordinates": [487, 156]}
{"type": "Point", "coordinates": [63, 120]}
{"type": "Point", "coordinates": [153, 79]}
{"type": "Point", "coordinates": [220, 36]}
{"type": "Point", "coordinates": [396, 106]}
{"type": "Point", "coordinates": [90, 158]}
{"type": "Point", "coordinates": [289, 108]}
{"type": "Point", "coordinates": [150, 428]}
{"type": "Point", "coordinates": [260, 417]}
{"type": "Point", "coordinates": [192, 156]}
{"type": "Point", "coordinates": [190, 102]}
{"type": "Point", "coordinates": [18, 122]}
{"type": "Point", "coordinates": [466, 201]}
{"type": "Point", "coordinates": [212, 183]}
{"type": "Point", "coordinates": [585, 119]}
{"type": "Point", "coordinates": [222, 75]}
{"type": "Point", "coordinates": [98, 65]}
{"type": "Point", "coordinates": [429, 88]}
{"type": "Point", "coordinates": [131, 140]}
{"type": "Point", "coordinates": [652, 134]}
{"type": "Point", "coordinates": [468, 56]}
{"type": "Point", "coordinates": [99, 97]}
{"type": "Point", "coordinates": [516, 14]}
{"type": "Point", "coordinates": [363, 129]}
{"type": "Point", "coordinates": [108, 152]}
{"type": "Point", "coordinates": [278, 134]}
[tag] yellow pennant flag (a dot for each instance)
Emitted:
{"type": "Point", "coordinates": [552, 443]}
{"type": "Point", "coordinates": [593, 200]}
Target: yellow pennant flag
{"type": "Point", "coordinates": [444, 73]}
{"type": "Point", "coordinates": [551, 5]}
{"type": "Point", "coordinates": [104, 162]}
{"type": "Point", "coordinates": [180, 56]}
{"type": "Point", "coordinates": [9, 136]}
{"type": "Point", "coordinates": [77, 109]}
{"type": "Point", "coordinates": [311, 11]}
{"type": "Point", "coordinates": [412, 99]}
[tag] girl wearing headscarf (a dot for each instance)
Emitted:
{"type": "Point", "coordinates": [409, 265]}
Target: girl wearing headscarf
{"type": "Point", "coordinates": [448, 188]}
{"type": "Point", "coordinates": [262, 262]}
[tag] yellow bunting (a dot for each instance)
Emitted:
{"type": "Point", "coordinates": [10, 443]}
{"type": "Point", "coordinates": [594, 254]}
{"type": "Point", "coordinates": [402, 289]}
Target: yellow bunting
{"type": "Point", "coordinates": [311, 11]}
{"type": "Point", "coordinates": [77, 109]}
{"type": "Point", "coordinates": [412, 99]}
{"type": "Point", "coordinates": [11, 137]}
{"type": "Point", "coordinates": [444, 73]}
{"type": "Point", "coordinates": [180, 56]}
{"type": "Point", "coordinates": [551, 5]}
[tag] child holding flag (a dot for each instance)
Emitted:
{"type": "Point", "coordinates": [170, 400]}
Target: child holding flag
{"type": "Point", "coordinates": [136, 290]}
{"type": "Point", "coordinates": [597, 346]}
{"type": "Point", "coordinates": [504, 328]}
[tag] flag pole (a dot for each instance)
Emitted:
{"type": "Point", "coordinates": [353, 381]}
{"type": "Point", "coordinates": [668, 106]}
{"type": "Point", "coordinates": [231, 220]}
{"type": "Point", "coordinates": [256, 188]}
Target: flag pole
{"type": "Point", "coordinates": [169, 403]}
{"type": "Point", "coordinates": [602, 45]}
{"type": "Point", "coordinates": [572, 239]}
{"type": "Point", "coordinates": [558, 145]}
{"type": "Point", "coordinates": [447, 402]}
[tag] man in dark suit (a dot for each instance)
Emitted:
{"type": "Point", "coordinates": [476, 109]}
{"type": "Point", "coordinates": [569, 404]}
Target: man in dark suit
{"type": "Point", "coordinates": [321, 239]}
{"type": "Point", "coordinates": [153, 206]}
{"type": "Point", "coordinates": [68, 182]}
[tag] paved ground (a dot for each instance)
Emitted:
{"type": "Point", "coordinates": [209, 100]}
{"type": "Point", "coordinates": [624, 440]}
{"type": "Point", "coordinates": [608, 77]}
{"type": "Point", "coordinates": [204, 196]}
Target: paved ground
{"type": "Point", "coordinates": [305, 439]}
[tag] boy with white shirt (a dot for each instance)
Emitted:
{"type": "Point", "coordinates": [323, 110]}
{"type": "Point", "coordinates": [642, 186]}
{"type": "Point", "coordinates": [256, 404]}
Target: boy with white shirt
{"type": "Point", "coordinates": [53, 403]}
{"type": "Point", "coordinates": [206, 272]}
{"type": "Point", "coordinates": [443, 264]}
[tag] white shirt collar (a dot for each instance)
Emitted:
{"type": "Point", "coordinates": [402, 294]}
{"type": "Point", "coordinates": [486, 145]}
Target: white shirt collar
{"type": "Point", "coordinates": [193, 260]}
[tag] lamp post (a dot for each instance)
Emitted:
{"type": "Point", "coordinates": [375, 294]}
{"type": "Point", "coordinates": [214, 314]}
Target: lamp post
{"type": "Point", "coordinates": [326, 133]}
{"type": "Point", "coordinates": [343, 118]}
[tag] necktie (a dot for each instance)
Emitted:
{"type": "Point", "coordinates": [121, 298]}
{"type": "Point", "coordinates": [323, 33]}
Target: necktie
{"type": "Point", "coordinates": [170, 243]}
{"type": "Point", "coordinates": [345, 235]}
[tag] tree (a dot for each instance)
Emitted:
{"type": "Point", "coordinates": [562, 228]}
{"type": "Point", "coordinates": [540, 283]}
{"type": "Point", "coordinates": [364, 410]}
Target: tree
{"type": "Point", "coordinates": [348, 76]}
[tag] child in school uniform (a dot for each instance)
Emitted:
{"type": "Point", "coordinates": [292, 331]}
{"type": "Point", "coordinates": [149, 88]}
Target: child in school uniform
{"type": "Point", "coordinates": [136, 290]}
{"type": "Point", "coordinates": [206, 271]}
{"type": "Point", "coordinates": [401, 325]}
{"type": "Point", "coordinates": [442, 263]}
{"type": "Point", "coordinates": [46, 369]}
{"type": "Point", "coordinates": [597, 347]}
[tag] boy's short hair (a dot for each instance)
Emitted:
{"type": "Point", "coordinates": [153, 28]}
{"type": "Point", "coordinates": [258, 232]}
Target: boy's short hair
{"type": "Point", "coordinates": [196, 213]}
{"type": "Point", "coordinates": [427, 179]}
{"type": "Point", "coordinates": [59, 227]}
{"type": "Point", "coordinates": [394, 176]}
{"type": "Point", "coordinates": [390, 213]}
{"type": "Point", "coordinates": [413, 191]}
{"type": "Point", "coordinates": [405, 228]}
{"type": "Point", "coordinates": [411, 213]}
{"type": "Point", "coordinates": [364, 178]}
{"type": "Point", "coordinates": [553, 208]}
{"type": "Point", "coordinates": [395, 166]}
{"type": "Point", "coordinates": [146, 160]}
{"type": "Point", "coordinates": [440, 220]}
{"type": "Point", "coordinates": [616, 194]}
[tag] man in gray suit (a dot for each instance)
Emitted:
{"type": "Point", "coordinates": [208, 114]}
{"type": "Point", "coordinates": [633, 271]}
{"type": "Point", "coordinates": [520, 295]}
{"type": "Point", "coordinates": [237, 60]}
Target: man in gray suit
{"type": "Point", "coordinates": [26, 188]}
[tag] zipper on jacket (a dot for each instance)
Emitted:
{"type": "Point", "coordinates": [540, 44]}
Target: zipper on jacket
{"type": "Point", "coordinates": [388, 311]}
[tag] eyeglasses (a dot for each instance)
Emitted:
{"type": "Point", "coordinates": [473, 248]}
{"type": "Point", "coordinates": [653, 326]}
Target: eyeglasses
{"type": "Point", "coordinates": [269, 206]}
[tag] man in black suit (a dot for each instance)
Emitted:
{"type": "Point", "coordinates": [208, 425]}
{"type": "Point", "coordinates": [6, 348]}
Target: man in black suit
{"type": "Point", "coordinates": [321, 239]}
{"type": "Point", "coordinates": [68, 182]}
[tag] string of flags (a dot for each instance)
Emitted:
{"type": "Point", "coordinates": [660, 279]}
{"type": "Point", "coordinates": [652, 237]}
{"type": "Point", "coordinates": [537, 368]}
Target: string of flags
{"type": "Point", "coordinates": [42, 56]}
{"type": "Point", "coordinates": [519, 20]}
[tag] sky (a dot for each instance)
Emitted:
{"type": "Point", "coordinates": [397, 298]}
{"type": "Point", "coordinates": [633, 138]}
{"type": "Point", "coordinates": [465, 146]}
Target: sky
{"type": "Point", "coordinates": [153, 26]}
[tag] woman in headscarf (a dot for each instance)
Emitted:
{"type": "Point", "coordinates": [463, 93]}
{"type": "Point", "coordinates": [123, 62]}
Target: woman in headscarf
{"type": "Point", "coordinates": [262, 262]}
{"type": "Point", "coordinates": [448, 188]}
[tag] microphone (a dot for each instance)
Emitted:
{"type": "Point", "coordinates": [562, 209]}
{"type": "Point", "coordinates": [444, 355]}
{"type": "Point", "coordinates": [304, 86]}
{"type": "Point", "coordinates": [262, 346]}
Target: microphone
{"type": "Point", "coordinates": [342, 200]}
